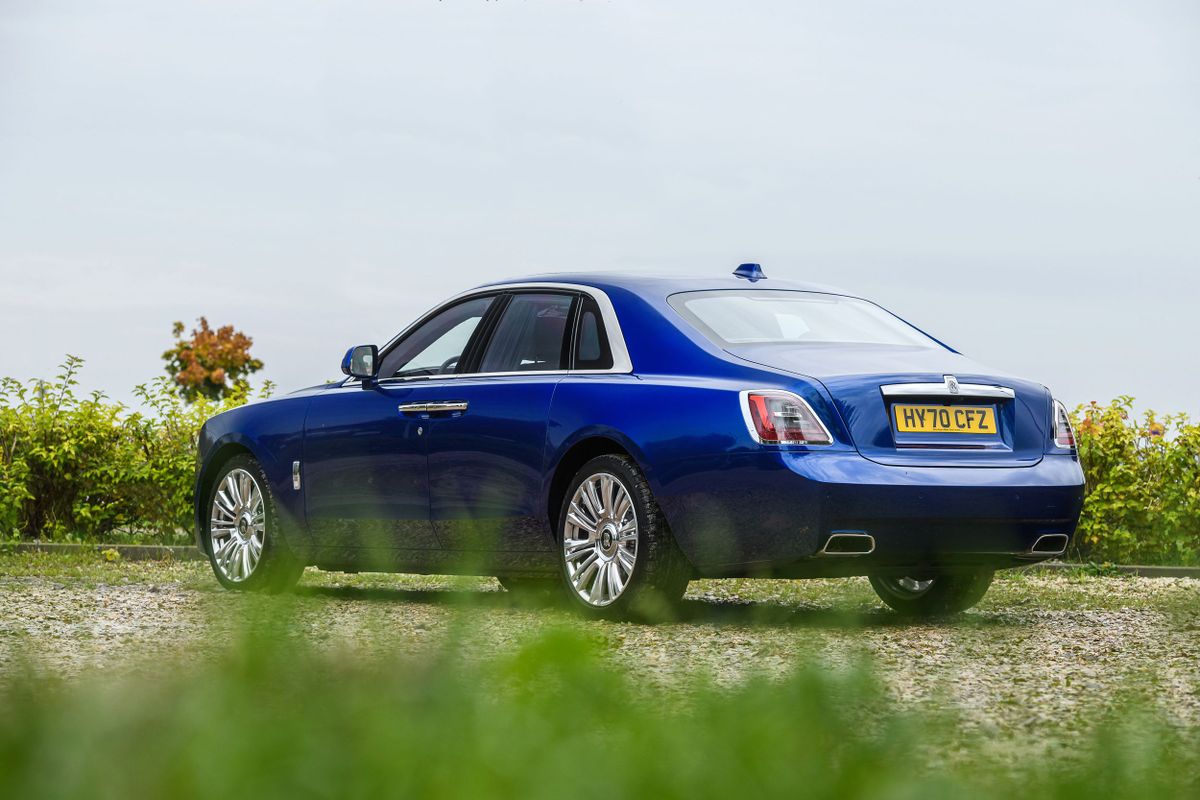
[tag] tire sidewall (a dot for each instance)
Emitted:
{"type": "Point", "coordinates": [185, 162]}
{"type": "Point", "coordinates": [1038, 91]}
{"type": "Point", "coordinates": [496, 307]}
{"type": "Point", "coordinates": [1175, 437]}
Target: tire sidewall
{"type": "Point", "coordinates": [951, 593]}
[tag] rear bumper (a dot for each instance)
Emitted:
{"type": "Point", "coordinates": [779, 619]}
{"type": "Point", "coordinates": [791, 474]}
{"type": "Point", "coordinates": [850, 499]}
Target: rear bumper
{"type": "Point", "coordinates": [771, 512]}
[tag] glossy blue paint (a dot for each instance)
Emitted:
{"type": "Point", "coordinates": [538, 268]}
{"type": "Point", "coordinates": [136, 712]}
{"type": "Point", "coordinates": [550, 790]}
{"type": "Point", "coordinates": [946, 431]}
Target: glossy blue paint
{"type": "Point", "coordinates": [347, 361]}
{"type": "Point", "coordinates": [364, 471]}
{"type": "Point", "coordinates": [425, 486]}
{"type": "Point", "coordinates": [486, 465]}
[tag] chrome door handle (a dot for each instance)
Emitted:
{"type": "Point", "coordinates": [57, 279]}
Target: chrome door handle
{"type": "Point", "coordinates": [449, 405]}
{"type": "Point", "coordinates": [433, 408]}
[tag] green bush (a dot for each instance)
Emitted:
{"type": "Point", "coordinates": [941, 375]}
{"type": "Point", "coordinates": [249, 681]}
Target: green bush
{"type": "Point", "coordinates": [87, 468]}
{"type": "Point", "coordinates": [1143, 486]}
{"type": "Point", "coordinates": [273, 718]}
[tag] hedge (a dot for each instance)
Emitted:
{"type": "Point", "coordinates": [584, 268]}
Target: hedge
{"type": "Point", "coordinates": [89, 469]}
{"type": "Point", "coordinates": [1143, 486]}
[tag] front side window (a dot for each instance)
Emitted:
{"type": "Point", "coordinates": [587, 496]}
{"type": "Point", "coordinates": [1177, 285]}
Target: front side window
{"type": "Point", "coordinates": [437, 346]}
{"type": "Point", "coordinates": [754, 317]}
{"type": "Point", "coordinates": [530, 336]}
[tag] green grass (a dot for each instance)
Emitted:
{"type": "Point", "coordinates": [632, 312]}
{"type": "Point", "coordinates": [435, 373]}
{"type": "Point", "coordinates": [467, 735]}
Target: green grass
{"type": "Point", "coordinates": [270, 716]}
{"type": "Point", "coordinates": [410, 686]}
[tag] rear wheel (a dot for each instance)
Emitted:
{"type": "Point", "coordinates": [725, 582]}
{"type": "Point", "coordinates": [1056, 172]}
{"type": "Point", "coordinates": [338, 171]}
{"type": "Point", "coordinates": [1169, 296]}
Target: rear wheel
{"type": "Point", "coordinates": [934, 595]}
{"type": "Point", "coordinates": [619, 558]}
{"type": "Point", "coordinates": [243, 542]}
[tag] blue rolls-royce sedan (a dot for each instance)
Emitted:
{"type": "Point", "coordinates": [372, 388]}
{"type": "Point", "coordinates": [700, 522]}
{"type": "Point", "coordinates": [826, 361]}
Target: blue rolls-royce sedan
{"type": "Point", "coordinates": [613, 437]}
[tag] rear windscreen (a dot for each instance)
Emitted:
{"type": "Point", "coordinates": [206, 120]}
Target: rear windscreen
{"type": "Point", "coordinates": [763, 316]}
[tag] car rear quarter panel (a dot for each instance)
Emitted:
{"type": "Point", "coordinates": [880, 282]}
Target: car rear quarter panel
{"type": "Point", "coordinates": [690, 439]}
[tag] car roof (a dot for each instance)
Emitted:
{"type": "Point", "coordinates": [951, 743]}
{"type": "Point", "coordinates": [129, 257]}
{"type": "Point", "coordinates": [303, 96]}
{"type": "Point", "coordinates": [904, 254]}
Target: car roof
{"type": "Point", "coordinates": [665, 285]}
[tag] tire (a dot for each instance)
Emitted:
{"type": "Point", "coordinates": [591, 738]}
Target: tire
{"type": "Point", "coordinates": [940, 595]}
{"type": "Point", "coordinates": [620, 560]}
{"type": "Point", "coordinates": [250, 523]}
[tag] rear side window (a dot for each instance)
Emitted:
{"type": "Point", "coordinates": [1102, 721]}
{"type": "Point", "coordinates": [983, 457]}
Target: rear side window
{"type": "Point", "coordinates": [531, 335]}
{"type": "Point", "coordinates": [591, 340]}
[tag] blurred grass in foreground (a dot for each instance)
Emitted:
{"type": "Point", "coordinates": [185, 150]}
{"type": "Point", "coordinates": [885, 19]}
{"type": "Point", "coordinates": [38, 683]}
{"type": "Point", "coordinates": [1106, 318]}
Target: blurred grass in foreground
{"type": "Point", "coordinates": [272, 717]}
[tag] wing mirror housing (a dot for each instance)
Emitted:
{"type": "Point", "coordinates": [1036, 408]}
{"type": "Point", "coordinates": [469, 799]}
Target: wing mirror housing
{"type": "Point", "coordinates": [362, 362]}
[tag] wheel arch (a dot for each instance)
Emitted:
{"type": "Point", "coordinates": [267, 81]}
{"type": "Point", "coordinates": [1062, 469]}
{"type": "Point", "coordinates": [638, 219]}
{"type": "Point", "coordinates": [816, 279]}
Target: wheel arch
{"type": "Point", "coordinates": [572, 459]}
{"type": "Point", "coordinates": [218, 458]}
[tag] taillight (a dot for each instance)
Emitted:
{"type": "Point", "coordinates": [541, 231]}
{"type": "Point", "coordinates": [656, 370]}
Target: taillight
{"type": "Point", "coordinates": [1064, 434]}
{"type": "Point", "coordinates": [778, 417]}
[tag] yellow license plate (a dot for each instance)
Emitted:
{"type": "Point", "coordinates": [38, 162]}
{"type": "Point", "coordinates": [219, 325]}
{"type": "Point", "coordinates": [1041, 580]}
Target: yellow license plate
{"type": "Point", "coordinates": [944, 419]}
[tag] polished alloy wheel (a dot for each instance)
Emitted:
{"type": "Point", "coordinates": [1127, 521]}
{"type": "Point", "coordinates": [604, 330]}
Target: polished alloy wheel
{"type": "Point", "coordinates": [237, 525]}
{"type": "Point", "coordinates": [600, 541]}
{"type": "Point", "coordinates": [914, 586]}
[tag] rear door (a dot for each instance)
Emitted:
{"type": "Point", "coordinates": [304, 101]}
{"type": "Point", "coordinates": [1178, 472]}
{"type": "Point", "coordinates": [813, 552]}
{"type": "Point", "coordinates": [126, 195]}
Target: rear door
{"type": "Point", "coordinates": [486, 456]}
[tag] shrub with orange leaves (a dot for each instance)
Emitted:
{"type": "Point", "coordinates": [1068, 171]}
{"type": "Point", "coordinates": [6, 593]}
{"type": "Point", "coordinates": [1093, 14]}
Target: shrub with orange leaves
{"type": "Point", "coordinates": [210, 363]}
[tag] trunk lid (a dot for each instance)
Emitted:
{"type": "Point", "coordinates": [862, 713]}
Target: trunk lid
{"type": "Point", "coordinates": [868, 382]}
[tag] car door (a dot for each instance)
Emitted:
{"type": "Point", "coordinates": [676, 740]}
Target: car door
{"type": "Point", "coordinates": [486, 460]}
{"type": "Point", "coordinates": [365, 467]}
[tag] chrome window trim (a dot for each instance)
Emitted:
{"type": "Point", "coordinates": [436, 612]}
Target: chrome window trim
{"type": "Point", "coordinates": [942, 390]}
{"type": "Point", "coordinates": [622, 364]}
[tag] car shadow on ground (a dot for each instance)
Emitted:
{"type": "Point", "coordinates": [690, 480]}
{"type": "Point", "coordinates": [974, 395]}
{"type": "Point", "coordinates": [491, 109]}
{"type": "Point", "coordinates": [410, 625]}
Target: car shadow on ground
{"type": "Point", "coordinates": [755, 613]}
{"type": "Point", "coordinates": [691, 611]}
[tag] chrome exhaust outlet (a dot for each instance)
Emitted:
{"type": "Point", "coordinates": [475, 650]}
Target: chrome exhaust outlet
{"type": "Point", "coordinates": [848, 544]}
{"type": "Point", "coordinates": [1050, 544]}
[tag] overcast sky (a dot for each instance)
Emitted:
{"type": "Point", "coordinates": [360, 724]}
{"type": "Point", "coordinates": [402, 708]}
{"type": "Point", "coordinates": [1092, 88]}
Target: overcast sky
{"type": "Point", "coordinates": [1022, 179]}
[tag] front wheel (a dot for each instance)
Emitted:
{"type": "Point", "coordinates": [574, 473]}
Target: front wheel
{"type": "Point", "coordinates": [619, 558]}
{"type": "Point", "coordinates": [243, 542]}
{"type": "Point", "coordinates": [934, 595]}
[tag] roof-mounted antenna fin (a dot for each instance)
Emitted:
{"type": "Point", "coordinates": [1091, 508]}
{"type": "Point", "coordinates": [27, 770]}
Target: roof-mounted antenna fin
{"type": "Point", "coordinates": [751, 272]}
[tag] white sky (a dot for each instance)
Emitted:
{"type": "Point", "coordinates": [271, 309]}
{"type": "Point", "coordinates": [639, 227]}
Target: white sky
{"type": "Point", "coordinates": [1021, 179]}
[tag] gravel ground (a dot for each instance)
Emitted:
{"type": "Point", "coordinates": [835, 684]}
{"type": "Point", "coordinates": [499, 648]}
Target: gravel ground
{"type": "Point", "coordinates": [1043, 651]}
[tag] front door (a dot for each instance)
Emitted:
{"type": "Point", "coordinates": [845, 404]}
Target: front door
{"type": "Point", "coordinates": [366, 485]}
{"type": "Point", "coordinates": [366, 481]}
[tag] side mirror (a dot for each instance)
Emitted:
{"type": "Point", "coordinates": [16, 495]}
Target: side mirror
{"type": "Point", "coordinates": [361, 362]}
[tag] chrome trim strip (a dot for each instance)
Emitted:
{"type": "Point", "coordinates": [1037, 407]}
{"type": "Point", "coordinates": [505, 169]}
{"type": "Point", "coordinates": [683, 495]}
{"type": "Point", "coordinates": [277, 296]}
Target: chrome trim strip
{"type": "Point", "coordinates": [455, 376]}
{"type": "Point", "coordinates": [942, 390]}
{"type": "Point", "coordinates": [754, 431]}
